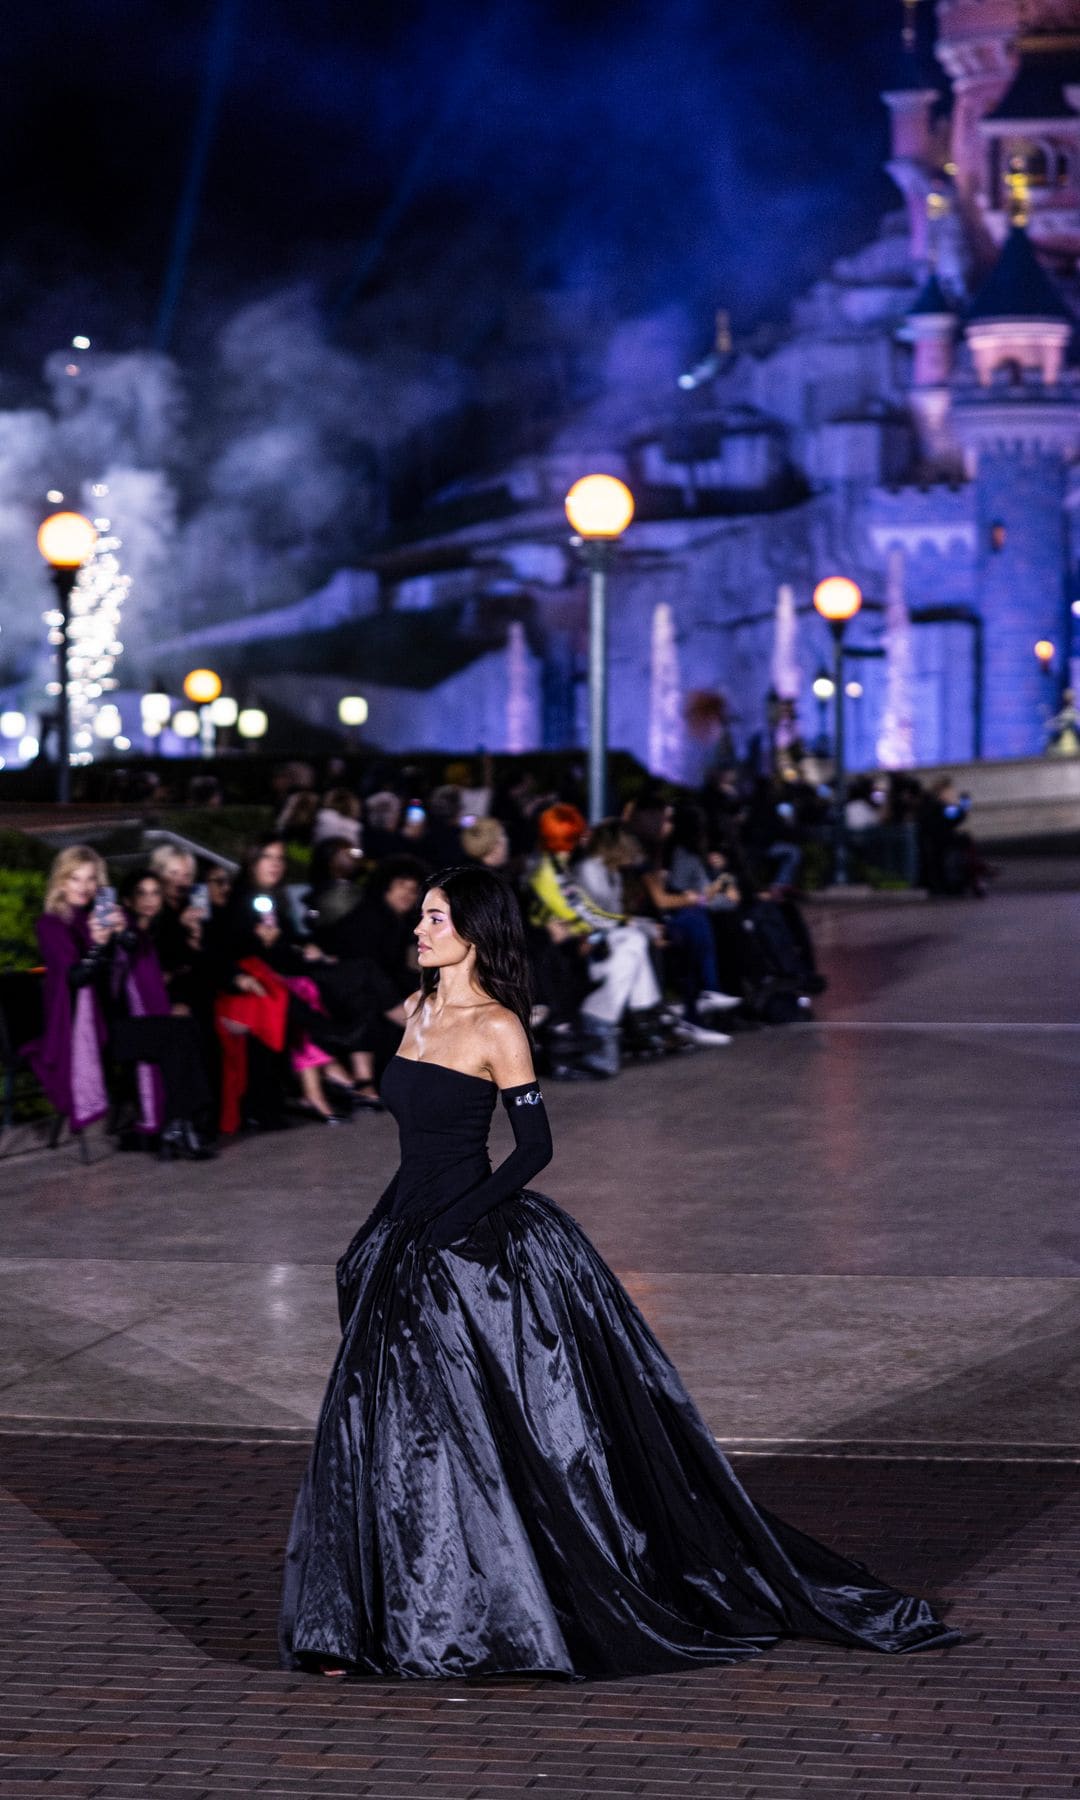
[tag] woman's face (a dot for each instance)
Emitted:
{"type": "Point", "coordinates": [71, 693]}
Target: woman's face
{"type": "Point", "coordinates": [177, 876]}
{"type": "Point", "coordinates": [438, 944]}
{"type": "Point", "coordinates": [499, 852]}
{"type": "Point", "coordinates": [146, 901]}
{"type": "Point", "coordinates": [269, 866]}
{"type": "Point", "coordinates": [81, 885]}
{"type": "Point", "coordinates": [403, 895]}
{"type": "Point", "coordinates": [219, 881]}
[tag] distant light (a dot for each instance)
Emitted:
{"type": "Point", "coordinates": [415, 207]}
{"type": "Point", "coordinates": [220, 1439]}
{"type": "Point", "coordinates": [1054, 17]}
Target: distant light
{"type": "Point", "coordinates": [837, 599]}
{"type": "Point", "coordinates": [66, 539]}
{"type": "Point", "coordinates": [155, 708]}
{"type": "Point", "coordinates": [83, 740]}
{"type": "Point", "coordinates": [72, 369]}
{"type": "Point", "coordinates": [151, 728]}
{"type": "Point", "coordinates": [121, 743]}
{"type": "Point", "coordinates": [12, 724]}
{"type": "Point", "coordinates": [54, 496]}
{"type": "Point", "coordinates": [599, 506]}
{"type": "Point", "coordinates": [1076, 609]}
{"type": "Point", "coordinates": [52, 687]}
{"type": "Point", "coordinates": [80, 342]}
{"type": "Point", "coordinates": [107, 722]}
{"type": "Point", "coordinates": [201, 686]}
{"type": "Point", "coordinates": [28, 748]}
{"type": "Point", "coordinates": [185, 723]}
{"type": "Point", "coordinates": [352, 709]}
{"type": "Point", "coordinates": [223, 711]}
{"type": "Point", "coordinates": [854, 690]}
{"type": "Point", "coordinates": [102, 524]}
{"type": "Point", "coordinates": [824, 688]}
{"type": "Point", "coordinates": [1044, 650]}
{"type": "Point", "coordinates": [252, 722]}
{"type": "Point", "coordinates": [687, 382]}
{"type": "Point", "coordinates": [100, 489]}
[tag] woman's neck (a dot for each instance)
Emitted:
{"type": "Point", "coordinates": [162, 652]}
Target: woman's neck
{"type": "Point", "coordinates": [458, 986]}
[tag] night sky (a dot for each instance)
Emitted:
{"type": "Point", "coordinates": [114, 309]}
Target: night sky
{"type": "Point", "coordinates": [430, 166]}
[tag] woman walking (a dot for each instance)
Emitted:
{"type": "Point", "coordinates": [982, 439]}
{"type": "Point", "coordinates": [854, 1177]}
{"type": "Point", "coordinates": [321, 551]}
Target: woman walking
{"type": "Point", "coordinates": [508, 1475]}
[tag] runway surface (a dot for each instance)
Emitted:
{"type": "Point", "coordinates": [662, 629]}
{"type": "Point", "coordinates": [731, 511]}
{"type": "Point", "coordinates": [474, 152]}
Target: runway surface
{"type": "Point", "coordinates": [859, 1239]}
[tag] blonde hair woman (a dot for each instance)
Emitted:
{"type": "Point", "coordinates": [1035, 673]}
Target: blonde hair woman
{"type": "Point", "coordinates": [75, 940]}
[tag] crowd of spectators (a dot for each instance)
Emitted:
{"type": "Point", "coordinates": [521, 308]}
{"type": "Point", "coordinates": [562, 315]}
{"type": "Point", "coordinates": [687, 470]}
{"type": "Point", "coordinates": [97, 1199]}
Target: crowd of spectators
{"type": "Point", "coordinates": [200, 1001]}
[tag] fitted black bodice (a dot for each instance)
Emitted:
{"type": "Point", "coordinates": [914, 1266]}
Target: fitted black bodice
{"type": "Point", "coordinates": [443, 1119]}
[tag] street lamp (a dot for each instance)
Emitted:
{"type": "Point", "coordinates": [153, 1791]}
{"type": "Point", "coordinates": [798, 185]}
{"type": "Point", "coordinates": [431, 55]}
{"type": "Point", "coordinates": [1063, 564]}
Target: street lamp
{"type": "Point", "coordinates": [599, 507]}
{"type": "Point", "coordinates": [252, 722]}
{"type": "Point", "coordinates": [65, 539]}
{"type": "Point", "coordinates": [202, 687]}
{"type": "Point", "coordinates": [838, 600]}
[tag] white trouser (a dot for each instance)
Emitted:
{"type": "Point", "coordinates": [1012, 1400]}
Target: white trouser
{"type": "Point", "coordinates": [627, 977]}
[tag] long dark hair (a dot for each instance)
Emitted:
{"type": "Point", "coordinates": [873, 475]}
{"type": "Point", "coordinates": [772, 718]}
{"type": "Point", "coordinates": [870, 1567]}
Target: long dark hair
{"type": "Point", "coordinates": [485, 912]}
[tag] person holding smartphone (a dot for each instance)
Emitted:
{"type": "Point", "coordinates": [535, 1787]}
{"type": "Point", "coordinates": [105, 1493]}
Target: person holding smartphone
{"type": "Point", "coordinates": [76, 933]}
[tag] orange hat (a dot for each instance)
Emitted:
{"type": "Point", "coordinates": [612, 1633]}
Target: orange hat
{"type": "Point", "coordinates": [561, 828]}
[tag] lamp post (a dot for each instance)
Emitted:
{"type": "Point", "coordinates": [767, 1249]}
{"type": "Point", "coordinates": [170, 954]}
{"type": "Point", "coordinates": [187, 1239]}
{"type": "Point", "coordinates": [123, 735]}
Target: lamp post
{"type": "Point", "coordinates": [202, 687]}
{"type": "Point", "coordinates": [599, 507]}
{"type": "Point", "coordinates": [838, 600]}
{"type": "Point", "coordinates": [65, 540]}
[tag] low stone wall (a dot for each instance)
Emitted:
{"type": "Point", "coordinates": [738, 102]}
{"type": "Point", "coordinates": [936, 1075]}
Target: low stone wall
{"type": "Point", "coordinates": [1025, 797]}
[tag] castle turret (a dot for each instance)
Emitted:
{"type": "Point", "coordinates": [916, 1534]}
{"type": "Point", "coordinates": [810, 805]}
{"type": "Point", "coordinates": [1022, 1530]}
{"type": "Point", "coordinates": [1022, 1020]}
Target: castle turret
{"type": "Point", "coordinates": [930, 327]}
{"type": "Point", "coordinates": [1019, 424]}
{"type": "Point", "coordinates": [918, 139]}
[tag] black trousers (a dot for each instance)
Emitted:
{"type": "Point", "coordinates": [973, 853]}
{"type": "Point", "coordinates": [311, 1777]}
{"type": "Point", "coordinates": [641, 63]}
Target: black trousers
{"type": "Point", "coordinates": [173, 1044]}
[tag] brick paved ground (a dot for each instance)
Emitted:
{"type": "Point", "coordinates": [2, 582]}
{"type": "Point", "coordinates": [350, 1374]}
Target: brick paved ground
{"type": "Point", "coordinates": [136, 1624]}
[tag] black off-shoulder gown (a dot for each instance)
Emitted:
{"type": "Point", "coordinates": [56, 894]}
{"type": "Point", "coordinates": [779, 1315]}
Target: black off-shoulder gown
{"type": "Point", "coordinates": [508, 1475]}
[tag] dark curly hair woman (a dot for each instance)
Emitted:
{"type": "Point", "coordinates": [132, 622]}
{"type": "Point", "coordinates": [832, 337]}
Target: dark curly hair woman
{"type": "Point", "coordinates": [508, 1475]}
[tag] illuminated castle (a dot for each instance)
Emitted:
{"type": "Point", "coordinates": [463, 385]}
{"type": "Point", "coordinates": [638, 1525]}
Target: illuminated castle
{"type": "Point", "coordinates": [916, 425]}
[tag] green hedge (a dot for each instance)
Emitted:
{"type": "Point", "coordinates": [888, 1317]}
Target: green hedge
{"type": "Point", "coordinates": [22, 892]}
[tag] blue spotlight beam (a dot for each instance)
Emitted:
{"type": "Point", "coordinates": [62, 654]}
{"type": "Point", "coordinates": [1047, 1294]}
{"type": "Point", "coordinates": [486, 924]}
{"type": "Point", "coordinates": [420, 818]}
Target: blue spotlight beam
{"type": "Point", "coordinates": [219, 58]}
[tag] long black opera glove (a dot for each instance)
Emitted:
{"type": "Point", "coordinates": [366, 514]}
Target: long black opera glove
{"type": "Point", "coordinates": [531, 1153]}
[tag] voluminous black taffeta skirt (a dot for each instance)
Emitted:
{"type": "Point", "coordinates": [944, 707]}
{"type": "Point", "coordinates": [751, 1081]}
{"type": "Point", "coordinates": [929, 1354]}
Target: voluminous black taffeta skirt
{"type": "Point", "coordinates": [508, 1475]}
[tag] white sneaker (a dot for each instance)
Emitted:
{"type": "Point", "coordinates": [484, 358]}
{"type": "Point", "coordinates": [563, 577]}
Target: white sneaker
{"type": "Point", "coordinates": [700, 1034]}
{"type": "Point", "coordinates": [711, 1001]}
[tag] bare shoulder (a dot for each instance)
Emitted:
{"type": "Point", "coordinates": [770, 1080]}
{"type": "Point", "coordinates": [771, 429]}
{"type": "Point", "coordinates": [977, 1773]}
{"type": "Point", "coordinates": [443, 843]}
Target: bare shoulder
{"type": "Point", "coordinates": [506, 1048]}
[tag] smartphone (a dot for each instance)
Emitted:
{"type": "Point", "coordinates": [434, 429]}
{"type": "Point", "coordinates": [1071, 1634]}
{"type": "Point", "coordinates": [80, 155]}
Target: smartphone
{"type": "Point", "coordinates": [415, 814]}
{"type": "Point", "coordinates": [263, 905]}
{"type": "Point", "coordinates": [104, 904]}
{"type": "Point", "coordinates": [199, 899]}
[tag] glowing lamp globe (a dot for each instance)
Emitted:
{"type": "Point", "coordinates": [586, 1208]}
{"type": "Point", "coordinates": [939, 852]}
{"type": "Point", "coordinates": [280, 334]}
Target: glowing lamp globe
{"type": "Point", "coordinates": [1044, 650]}
{"type": "Point", "coordinates": [599, 506]}
{"type": "Point", "coordinates": [252, 722]}
{"type": "Point", "coordinates": [12, 724]}
{"type": "Point", "coordinates": [185, 724]}
{"type": "Point", "coordinates": [66, 539]}
{"type": "Point", "coordinates": [155, 708]}
{"type": "Point", "coordinates": [201, 686]}
{"type": "Point", "coordinates": [837, 599]}
{"type": "Point", "coordinates": [223, 712]}
{"type": "Point", "coordinates": [824, 688]}
{"type": "Point", "coordinates": [352, 709]}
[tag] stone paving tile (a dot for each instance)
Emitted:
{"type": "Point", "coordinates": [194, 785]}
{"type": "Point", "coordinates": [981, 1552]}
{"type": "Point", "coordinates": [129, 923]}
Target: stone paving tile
{"type": "Point", "coordinates": [137, 1626]}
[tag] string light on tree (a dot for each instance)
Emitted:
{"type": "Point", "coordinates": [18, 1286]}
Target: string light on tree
{"type": "Point", "coordinates": [97, 603]}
